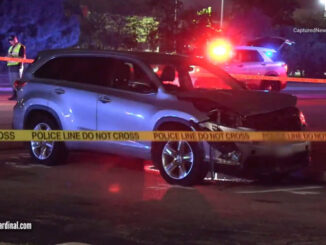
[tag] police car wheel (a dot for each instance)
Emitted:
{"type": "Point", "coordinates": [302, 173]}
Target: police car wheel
{"type": "Point", "coordinates": [274, 86]}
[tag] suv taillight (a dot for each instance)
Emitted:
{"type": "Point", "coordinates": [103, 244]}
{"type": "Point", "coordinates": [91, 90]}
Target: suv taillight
{"type": "Point", "coordinates": [18, 84]}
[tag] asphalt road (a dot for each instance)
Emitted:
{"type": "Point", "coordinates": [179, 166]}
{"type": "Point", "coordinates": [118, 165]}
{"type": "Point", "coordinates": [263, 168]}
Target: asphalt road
{"type": "Point", "coordinates": [102, 199]}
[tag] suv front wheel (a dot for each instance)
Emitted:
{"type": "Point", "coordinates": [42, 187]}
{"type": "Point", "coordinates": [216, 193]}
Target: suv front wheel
{"type": "Point", "coordinates": [180, 162]}
{"type": "Point", "coordinates": [46, 152]}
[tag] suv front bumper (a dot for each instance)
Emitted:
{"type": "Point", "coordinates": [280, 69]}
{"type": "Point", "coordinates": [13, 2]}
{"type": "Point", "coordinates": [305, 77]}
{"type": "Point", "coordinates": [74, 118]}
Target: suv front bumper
{"type": "Point", "coordinates": [262, 158]}
{"type": "Point", "coordinates": [267, 159]}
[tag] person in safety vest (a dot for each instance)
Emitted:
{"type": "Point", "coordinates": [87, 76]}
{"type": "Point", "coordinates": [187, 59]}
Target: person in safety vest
{"type": "Point", "coordinates": [15, 69]}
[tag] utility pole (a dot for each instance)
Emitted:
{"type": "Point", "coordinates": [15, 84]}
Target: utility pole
{"type": "Point", "coordinates": [176, 11]}
{"type": "Point", "coordinates": [222, 14]}
{"type": "Point", "coordinates": [176, 5]}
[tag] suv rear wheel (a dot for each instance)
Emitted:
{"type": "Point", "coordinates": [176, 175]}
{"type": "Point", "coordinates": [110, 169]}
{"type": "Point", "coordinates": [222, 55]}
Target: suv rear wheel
{"type": "Point", "coordinates": [46, 152]}
{"type": "Point", "coordinates": [180, 162]}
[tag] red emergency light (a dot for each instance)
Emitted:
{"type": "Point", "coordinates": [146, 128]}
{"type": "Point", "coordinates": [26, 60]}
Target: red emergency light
{"type": "Point", "coordinates": [219, 50]}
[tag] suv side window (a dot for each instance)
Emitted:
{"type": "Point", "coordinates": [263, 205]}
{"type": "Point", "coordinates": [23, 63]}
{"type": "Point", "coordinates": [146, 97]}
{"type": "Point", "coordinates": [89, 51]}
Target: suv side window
{"type": "Point", "coordinates": [86, 70]}
{"type": "Point", "coordinates": [248, 56]}
{"type": "Point", "coordinates": [130, 77]}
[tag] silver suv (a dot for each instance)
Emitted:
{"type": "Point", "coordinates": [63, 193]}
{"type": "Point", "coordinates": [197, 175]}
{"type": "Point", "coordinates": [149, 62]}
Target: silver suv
{"type": "Point", "coordinates": [123, 91]}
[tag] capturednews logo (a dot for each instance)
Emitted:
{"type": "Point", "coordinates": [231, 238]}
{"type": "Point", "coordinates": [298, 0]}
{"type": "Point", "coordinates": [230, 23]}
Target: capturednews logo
{"type": "Point", "coordinates": [15, 226]}
{"type": "Point", "coordinates": [309, 30]}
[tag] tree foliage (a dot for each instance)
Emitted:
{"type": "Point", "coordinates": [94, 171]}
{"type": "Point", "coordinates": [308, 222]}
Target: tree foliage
{"type": "Point", "coordinates": [39, 25]}
{"type": "Point", "coordinates": [113, 24]}
{"type": "Point", "coordinates": [280, 11]}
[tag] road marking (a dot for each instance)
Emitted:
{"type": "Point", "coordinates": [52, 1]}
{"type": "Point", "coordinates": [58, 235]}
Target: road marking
{"type": "Point", "coordinates": [226, 178]}
{"type": "Point", "coordinates": [291, 190]}
{"type": "Point", "coordinates": [167, 186]}
{"type": "Point", "coordinates": [14, 164]}
{"type": "Point", "coordinates": [306, 192]}
{"type": "Point", "coordinates": [73, 243]}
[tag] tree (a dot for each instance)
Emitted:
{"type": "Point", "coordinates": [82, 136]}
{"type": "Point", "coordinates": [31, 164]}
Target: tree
{"type": "Point", "coordinates": [113, 24]}
{"type": "Point", "coordinates": [248, 25]}
{"type": "Point", "coordinates": [308, 53]}
{"type": "Point", "coordinates": [280, 11]}
{"type": "Point", "coordinates": [165, 12]}
{"type": "Point", "coordinates": [39, 25]}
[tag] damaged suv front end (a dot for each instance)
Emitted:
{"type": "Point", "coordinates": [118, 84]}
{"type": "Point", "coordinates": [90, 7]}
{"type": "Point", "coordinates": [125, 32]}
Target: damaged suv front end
{"type": "Point", "coordinates": [257, 158]}
{"type": "Point", "coordinates": [215, 101]}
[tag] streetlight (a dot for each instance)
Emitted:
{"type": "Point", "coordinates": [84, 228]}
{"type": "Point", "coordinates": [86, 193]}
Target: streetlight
{"type": "Point", "coordinates": [324, 3]}
{"type": "Point", "coordinates": [222, 13]}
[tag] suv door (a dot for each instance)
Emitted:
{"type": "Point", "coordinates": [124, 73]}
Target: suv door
{"type": "Point", "coordinates": [127, 103]}
{"type": "Point", "coordinates": [72, 94]}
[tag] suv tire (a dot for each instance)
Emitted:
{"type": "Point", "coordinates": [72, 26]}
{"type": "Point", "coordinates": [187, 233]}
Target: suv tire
{"type": "Point", "coordinates": [180, 162]}
{"type": "Point", "coordinates": [47, 153]}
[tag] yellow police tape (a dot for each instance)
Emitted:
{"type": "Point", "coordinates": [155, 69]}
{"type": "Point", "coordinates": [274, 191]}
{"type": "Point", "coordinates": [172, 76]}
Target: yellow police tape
{"type": "Point", "coordinates": [159, 136]}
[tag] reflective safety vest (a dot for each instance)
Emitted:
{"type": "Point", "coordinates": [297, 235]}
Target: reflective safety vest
{"type": "Point", "coordinates": [14, 52]}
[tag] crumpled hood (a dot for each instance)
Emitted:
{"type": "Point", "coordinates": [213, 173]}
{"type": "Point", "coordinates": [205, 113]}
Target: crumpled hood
{"type": "Point", "coordinates": [244, 102]}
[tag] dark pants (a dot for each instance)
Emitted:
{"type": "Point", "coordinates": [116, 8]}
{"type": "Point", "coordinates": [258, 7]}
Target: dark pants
{"type": "Point", "coordinates": [15, 73]}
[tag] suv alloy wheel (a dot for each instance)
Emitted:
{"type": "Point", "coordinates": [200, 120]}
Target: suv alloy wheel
{"type": "Point", "coordinates": [46, 152]}
{"type": "Point", "coordinates": [180, 162]}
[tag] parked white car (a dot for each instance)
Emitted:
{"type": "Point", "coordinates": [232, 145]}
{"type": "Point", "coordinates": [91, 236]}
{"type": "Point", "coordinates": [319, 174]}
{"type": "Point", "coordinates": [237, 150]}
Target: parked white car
{"type": "Point", "coordinates": [248, 60]}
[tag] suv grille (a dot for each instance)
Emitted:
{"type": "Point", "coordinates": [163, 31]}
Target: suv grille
{"type": "Point", "coordinates": [283, 120]}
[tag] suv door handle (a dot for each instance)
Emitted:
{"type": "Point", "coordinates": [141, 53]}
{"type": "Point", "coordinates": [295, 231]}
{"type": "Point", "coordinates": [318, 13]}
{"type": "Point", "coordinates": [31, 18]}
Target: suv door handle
{"type": "Point", "coordinates": [240, 65]}
{"type": "Point", "coordinates": [59, 91]}
{"type": "Point", "coordinates": [263, 64]}
{"type": "Point", "coordinates": [105, 99]}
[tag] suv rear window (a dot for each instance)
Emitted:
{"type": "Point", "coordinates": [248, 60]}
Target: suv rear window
{"type": "Point", "coordinates": [90, 70]}
{"type": "Point", "coordinates": [247, 56]}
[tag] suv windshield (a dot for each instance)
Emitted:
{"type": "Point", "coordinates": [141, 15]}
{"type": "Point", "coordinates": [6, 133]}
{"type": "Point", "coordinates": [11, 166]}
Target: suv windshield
{"type": "Point", "coordinates": [183, 76]}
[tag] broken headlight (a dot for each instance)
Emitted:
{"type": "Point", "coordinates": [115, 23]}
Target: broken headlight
{"type": "Point", "coordinates": [222, 118]}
